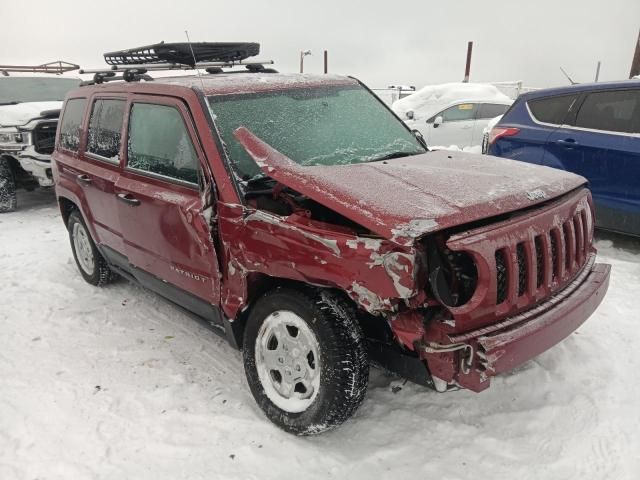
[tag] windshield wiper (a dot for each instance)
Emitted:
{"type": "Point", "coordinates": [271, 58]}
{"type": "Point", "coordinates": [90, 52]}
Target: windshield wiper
{"type": "Point", "coordinates": [13, 102]}
{"type": "Point", "coordinates": [392, 155]}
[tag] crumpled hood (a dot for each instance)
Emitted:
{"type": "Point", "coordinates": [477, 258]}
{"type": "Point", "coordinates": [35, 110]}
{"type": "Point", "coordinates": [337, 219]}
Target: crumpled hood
{"type": "Point", "coordinates": [23, 113]}
{"type": "Point", "coordinates": [405, 198]}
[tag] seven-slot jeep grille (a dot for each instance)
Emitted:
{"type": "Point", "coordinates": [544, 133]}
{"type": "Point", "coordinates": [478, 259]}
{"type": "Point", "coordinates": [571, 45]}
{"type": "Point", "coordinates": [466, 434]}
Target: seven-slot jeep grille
{"type": "Point", "coordinates": [523, 261]}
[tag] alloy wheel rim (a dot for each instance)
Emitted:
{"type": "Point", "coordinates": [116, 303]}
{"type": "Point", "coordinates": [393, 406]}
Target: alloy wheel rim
{"type": "Point", "coordinates": [84, 252]}
{"type": "Point", "coordinates": [288, 361]}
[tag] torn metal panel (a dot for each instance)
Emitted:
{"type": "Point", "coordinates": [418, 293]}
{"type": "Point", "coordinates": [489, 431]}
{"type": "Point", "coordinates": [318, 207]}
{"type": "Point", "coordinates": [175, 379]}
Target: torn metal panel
{"type": "Point", "coordinates": [375, 273]}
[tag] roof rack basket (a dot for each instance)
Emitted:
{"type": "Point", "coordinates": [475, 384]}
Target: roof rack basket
{"type": "Point", "coordinates": [184, 53]}
{"type": "Point", "coordinates": [57, 67]}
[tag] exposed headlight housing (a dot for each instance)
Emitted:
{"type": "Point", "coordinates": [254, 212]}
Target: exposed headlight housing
{"type": "Point", "coordinates": [13, 139]}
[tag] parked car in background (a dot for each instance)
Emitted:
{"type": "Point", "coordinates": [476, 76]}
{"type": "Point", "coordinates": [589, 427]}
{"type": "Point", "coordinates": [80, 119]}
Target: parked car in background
{"type": "Point", "coordinates": [452, 113]}
{"type": "Point", "coordinates": [263, 203]}
{"type": "Point", "coordinates": [29, 108]}
{"type": "Point", "coordinates": [592, 130]}
{"type": "Point", "coordinates": [487, 130]}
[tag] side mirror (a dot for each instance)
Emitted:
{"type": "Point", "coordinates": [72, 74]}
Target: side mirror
{"type": "Point", "coordinates": [438, 121]}
{"type": "Point", "coordinates": [410, 115]}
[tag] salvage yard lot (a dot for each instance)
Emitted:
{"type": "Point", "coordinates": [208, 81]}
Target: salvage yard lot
{"type": "Point", "coordinates": [116, 383]}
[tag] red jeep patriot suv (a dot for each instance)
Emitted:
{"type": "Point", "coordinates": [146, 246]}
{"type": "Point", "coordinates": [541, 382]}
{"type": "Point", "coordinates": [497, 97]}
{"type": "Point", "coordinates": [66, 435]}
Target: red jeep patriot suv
{"type": "Point", "coordinates": [299, 215]}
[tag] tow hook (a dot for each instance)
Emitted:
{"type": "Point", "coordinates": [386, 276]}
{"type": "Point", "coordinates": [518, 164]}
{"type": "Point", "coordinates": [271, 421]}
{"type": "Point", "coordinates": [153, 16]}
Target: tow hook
{"type": "Point", "coordinates": [467, 358]}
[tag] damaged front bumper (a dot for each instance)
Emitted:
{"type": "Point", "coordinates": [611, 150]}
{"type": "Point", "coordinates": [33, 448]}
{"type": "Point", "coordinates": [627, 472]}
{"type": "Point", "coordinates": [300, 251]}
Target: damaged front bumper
{"type": "Point", "coordinates": [469, 359]}
{"type": "Point", "coordinates": [38, 165]}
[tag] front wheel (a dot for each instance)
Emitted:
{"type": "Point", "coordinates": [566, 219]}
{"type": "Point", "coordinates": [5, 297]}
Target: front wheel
{"type": "Point", "coordinates": [8, 197]}
{"type": "Point", "coordinates": [305, 359]}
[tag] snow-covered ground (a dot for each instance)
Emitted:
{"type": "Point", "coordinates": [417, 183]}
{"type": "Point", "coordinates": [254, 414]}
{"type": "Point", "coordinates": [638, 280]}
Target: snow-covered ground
{"type": "Point", "coordinates": [119, 384]}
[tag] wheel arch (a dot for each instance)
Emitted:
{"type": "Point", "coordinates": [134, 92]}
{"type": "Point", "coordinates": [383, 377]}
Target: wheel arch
{"type": "Point", "coordinates": [66, 207]}
{"type": "Point", "coordinates": [259, 284]}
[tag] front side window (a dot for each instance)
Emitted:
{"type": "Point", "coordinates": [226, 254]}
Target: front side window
{"type": "Point", "coordinates": [71, 125]}
{"type": "Point", "coordinates": [327, 125]}
{"type": "Point", "coordinates": [491, 110]}
{"type": "Point", "coordinates": [610, 111]}
{"type": "Point", "coordinates": [159, 143]}
{"type": "Point", "coordinates": [105, 128]}
{"type": "Point", "coordinates": [464, 111]}
{"type": "Point", "coordinates": [552, 110]}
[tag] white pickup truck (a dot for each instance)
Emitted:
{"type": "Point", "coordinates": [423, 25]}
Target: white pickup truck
{"type": "Point", "coordinates": [29, 109]}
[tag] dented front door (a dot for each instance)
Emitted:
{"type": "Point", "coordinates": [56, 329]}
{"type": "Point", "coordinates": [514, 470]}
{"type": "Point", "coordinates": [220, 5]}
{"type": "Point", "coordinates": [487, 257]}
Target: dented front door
{"type": "Point", "coordinates": [159, 199]}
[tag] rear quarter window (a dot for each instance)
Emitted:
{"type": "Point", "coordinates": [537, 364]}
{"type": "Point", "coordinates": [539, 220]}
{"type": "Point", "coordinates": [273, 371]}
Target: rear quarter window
{"type": "Point", "coordinates": [552, 110]}
{"type": "Point", "coordinates": [612, 111]}
{"type": "Point", "coordinates": [70, 128]}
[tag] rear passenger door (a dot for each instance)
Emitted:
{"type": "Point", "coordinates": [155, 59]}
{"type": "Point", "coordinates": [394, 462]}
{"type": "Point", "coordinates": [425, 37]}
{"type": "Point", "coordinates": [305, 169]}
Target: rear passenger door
{"type": "Point", "coordinates": [602, 145]}
{"type": "Point", "coordinates": [159, 203]}
{"type": "Point", "coordinates": [92, 164]}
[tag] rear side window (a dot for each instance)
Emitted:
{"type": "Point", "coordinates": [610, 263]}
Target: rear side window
{"type": "Point", "coordinates": [612, 111]}
{"type": "Point", "coordinates": [159, 143]}
{"type": "Point", "coordinates": [491, 110]}
{"type": "Point", "coordinates": [72, 123]}
{"type": "Point", "coordinates": [105, 128]}
{"type": "Point", "coordinates": [464, 111]}
{"type": "Point", "coordinates": [553, 109]}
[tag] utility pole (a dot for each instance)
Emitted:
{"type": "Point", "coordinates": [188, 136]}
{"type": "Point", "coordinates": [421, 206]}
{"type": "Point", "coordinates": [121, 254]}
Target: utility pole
{"type": "Point", "coordinates": [326, 62]}
{"type": "Point", "coordinates": [467, 70]}
{"type": "Point", "coordinates": [635, 64]}
{"type": "Point", "coordinates": [303, 53]}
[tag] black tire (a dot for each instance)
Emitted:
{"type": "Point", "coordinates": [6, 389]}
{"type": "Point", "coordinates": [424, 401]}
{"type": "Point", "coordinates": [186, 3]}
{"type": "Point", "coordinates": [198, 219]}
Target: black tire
{"type": "Point", "coordinates": [101, 274]}
{"type": "Point", "coordinates": [8, 197]}
{"type": "Point", "coordinates": [344, 367]}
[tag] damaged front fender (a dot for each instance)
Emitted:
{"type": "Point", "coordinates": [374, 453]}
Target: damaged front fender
{"type": "Point", "coordinates": [376, 273]}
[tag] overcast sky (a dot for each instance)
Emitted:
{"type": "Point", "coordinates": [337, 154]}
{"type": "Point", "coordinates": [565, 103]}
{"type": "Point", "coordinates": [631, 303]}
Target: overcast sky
{"type": "Point", "coordinates": [382, 43]}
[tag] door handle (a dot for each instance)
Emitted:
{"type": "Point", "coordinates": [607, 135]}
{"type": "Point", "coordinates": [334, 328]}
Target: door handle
{"type": "Point", "coordinates": [128, 199]}
{"type": "Point", "coordinates": [83, 179]}
{"type": "Point", "coordinates": [567, 143]}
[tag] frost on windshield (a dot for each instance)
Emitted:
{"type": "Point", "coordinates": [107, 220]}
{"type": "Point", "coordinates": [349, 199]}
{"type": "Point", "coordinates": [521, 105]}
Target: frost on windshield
{"type": "Point", "coordinates": [35, 89]}
{"type": "Point", "coordinates": [313, 126]}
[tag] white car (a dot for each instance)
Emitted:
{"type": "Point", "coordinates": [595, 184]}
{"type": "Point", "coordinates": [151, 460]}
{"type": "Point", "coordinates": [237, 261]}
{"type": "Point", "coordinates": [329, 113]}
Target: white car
{"type": "Point", "coordinates": [487, 131]}
{"type": "Point", "coordinates": [29, 109]}
{"type": "Point", "coordinates": [452, 113]}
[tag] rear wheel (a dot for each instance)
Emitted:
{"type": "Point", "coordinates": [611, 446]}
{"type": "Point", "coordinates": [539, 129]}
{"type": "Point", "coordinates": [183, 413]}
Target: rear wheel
{"type": "Point", "coordinates": [8, 197]}
{"type": "Point", "coordinates": [305, 359]}
{"type": "Point", "coordinates": [92, 265]}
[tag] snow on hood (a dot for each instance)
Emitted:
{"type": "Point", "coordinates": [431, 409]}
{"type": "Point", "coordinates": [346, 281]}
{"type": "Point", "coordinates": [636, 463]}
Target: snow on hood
{"type": "Point", "coordinates": [405, 198]}
{"type": "Point", "coordinates": [23, 113]}
{"type": "Point", "coordinates": [432, 99]}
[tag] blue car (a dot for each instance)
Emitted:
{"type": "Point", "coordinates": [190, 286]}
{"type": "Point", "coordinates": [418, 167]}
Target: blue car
{"type": "Point", "coordinates": [589, 129]}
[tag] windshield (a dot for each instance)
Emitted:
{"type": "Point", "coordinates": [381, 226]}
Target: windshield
{"type": "Point", "coordinates": [334, 125]}
{"type": "Point", "coordinates": [34, 89]}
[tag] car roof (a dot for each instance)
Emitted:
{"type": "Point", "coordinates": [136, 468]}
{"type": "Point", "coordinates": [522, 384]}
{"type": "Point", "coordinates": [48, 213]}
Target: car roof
{"type": "Point", "coordinates": [224, 83]}
{"type": "Point", "coordinates": [582, 87]}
